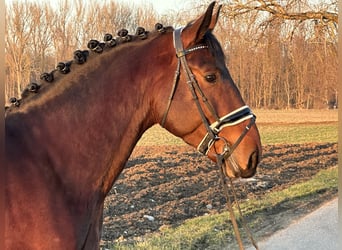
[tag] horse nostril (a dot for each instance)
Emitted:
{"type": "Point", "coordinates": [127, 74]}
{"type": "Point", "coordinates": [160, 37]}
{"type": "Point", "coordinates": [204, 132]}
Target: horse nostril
{"type": "Point", "coordinates": [253, 160]}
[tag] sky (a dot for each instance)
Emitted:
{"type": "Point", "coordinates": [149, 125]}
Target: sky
{"type": "Point", "coordinates": [161, 6]}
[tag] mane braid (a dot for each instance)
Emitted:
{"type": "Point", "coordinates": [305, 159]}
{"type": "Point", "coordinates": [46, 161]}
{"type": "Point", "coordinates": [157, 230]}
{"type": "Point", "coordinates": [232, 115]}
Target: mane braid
{"type": "Point", "coordinates": [80, 57]}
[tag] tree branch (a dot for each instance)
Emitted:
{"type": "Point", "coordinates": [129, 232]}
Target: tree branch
{"type": "Point", "coordinates": [277, 10]}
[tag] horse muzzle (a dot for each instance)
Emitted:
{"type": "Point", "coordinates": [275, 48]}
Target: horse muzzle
{"type": "Point", "coordinates": [233, 169]}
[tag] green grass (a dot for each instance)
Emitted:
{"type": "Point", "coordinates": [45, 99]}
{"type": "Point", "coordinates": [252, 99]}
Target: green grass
{"type": "Point", "coordinates": [214, 231]}
{"type": "Point", "coordinates": [270, 134]}
{"type": "Point", "coordinates": [157, 136]}
{"type": "Point", "coordinates": [298, 133]}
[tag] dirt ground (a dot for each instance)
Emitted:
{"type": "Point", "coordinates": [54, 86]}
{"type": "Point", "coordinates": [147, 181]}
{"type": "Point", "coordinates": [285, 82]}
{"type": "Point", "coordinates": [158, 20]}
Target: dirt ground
{"type": "Point", "coordinates": [163, 186]}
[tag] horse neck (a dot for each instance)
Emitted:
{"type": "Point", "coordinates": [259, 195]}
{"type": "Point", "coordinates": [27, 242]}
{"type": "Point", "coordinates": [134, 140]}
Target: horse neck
{"type": "Point", "coordinates": [88, 131]}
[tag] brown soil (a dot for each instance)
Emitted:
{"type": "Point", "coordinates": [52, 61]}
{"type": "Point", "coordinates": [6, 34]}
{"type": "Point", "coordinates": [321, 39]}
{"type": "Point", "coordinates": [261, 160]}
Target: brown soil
{"type": "Point", "coordinates": [175, 183]}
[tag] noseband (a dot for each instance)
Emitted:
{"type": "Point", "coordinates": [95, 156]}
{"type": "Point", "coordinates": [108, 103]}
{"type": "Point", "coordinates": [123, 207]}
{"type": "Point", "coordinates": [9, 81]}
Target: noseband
{"type": "Point", "coordinates": [233, 118]}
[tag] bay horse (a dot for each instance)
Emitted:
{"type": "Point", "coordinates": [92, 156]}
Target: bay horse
{"type": "Point", "coordinates": [70, 135]}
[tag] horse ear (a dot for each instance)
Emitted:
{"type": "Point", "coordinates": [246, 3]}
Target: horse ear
{"type": "Point", "coordinates": [215, 18]}
{"type": "Point", "coordinates": [196, 30]}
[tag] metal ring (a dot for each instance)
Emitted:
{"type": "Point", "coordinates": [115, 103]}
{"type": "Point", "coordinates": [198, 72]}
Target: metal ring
{"type": "Point", "coordinates": [226, 148]}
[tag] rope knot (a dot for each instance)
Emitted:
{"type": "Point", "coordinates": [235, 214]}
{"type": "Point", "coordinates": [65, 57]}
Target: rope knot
{"type": "Point", "coordinates": [159, 27]}
{"type": "Point", "coordinates": [110, 41]}
{"type": "Point", "coordinates": [80, 56]}
{"type": "Point", "coordinates": [123, 34]}
{"type": "Point", "coordinates": [33, 87]}
{"type": "Point", "coordinates": [141, 33]}
{"type": "Point", "coordinates": [14, 101]}
{"type": "Point", "coordinates": [48, 77]}
{"type": "Point", "coordinates": [95, 46]}
{"type": "Point", "coordinates": [64, 68]}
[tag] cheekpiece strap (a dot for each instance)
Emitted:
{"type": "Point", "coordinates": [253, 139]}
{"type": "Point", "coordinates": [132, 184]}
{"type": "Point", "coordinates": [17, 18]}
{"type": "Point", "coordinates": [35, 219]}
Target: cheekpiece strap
{"type": "Point", "coordinates": [177, 42]}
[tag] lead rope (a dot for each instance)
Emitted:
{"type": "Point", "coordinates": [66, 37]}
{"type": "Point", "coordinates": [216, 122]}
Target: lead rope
{"type": "Point", "coordinates": [220, 163]}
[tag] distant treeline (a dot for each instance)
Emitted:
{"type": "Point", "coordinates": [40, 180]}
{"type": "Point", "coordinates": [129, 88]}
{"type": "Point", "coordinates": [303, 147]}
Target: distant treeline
{"type": "Point", "coordinates": [276, 62]}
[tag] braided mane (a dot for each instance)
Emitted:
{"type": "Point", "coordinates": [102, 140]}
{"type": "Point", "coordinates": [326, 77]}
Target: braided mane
{"type": "Point", "coordinates": [80, 57]}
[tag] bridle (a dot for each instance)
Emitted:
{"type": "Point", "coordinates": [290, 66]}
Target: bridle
{"type": "Point", "coordinates": [233, 118]}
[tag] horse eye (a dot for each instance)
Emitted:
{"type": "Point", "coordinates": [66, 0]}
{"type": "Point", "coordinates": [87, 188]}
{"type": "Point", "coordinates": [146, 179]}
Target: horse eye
{"type": "Point", "coordinates": [210, 78]}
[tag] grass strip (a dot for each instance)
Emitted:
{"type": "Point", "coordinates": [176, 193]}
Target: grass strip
{"type": "Point", "coordinates": [270, 134]}
{"type": "Point", "coordinates": [298, 133]}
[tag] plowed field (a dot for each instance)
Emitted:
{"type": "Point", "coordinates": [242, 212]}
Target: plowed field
{"type": "Point", "coordinates": [163, 186]}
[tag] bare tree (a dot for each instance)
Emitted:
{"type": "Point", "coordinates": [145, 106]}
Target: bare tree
{"type": "Point", "coordinates": [282, 35]}
{"type": "Point", "coordinates": [281, 54]}
{"type": "Point", "coordinates": [41, 39]}
{"type": "Point", "coordinates": [19, 26]}
{"type": "Point", "coordinates": [298, 10]}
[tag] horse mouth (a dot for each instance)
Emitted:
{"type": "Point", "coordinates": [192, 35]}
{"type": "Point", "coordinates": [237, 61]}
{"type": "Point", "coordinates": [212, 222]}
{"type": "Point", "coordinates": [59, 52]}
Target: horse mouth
{"type": "Point", "coordinates": [234, 170]}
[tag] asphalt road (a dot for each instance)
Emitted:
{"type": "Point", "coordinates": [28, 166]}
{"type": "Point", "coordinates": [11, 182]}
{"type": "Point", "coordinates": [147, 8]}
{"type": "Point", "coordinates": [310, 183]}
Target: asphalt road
{"type": "Point", "coordinates": [316, 231]}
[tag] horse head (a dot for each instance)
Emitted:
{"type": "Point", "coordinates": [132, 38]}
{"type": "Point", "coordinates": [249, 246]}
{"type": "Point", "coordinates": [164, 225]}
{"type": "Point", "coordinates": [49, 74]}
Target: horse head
{"type": "Point", "coordinates": [204, 106]}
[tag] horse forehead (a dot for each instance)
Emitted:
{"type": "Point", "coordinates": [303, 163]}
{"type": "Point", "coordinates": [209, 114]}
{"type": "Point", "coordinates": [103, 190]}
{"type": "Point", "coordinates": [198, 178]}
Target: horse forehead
{"type": "Point", "coordinates": [206, 61]}
{"type": "Point", "coordinates": [208, 55]}
{"type": "Point", "coordinates": [201, 57]}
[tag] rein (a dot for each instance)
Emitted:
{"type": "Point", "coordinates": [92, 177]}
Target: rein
{"type": "Point", "coordinates": [220, 164]}
{"type": "Point", "coordinates": [233, 118]}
